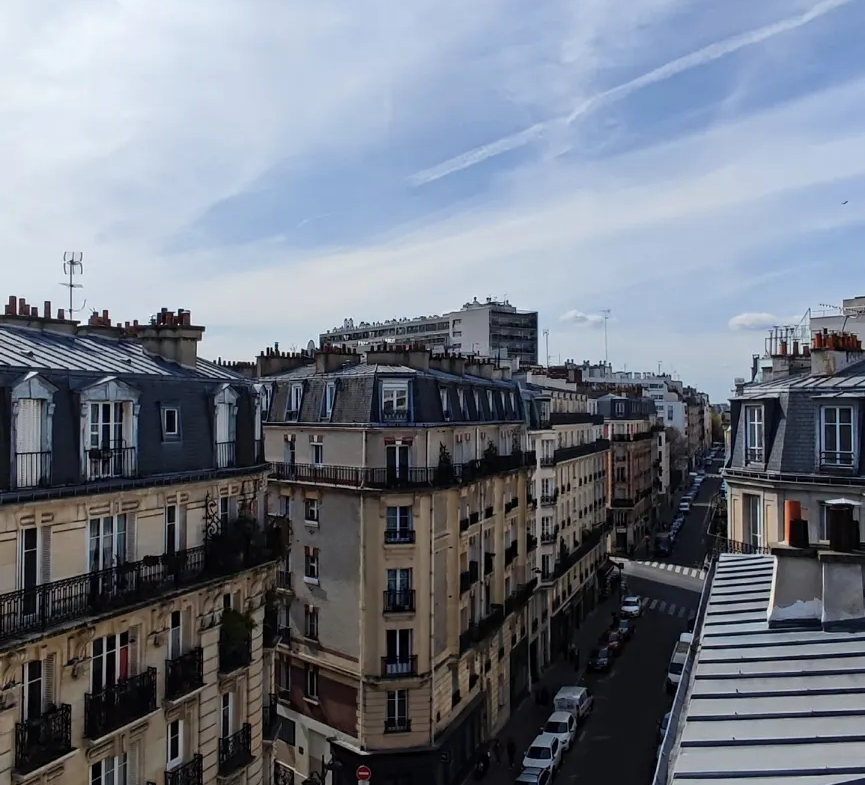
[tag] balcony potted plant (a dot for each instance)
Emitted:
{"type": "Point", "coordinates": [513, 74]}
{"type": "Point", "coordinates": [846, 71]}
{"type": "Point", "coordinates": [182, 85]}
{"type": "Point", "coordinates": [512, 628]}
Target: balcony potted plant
{"type": "Point", "coordinates": [445, 469]}
{"type": "Point", "coordinates": [235, 639]}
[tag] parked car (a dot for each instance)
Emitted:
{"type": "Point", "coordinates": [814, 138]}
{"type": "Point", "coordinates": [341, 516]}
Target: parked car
{"type": "Point", "coordinates": [562, 725]}
{"type": "Point", "coordinates": [600, 659]}
{"type": "Point", "coordinates": [626, 629]}
{"type": "Point", "coordinates": [632, 607]}
{"type": "Point", "coordinates": [612, 641]}
{"type": "Point", "coordinates": [576, 700]}
{"type": "Point", "coordinates": [545, 752]}
{"type": "Point", "coordinates": [533, 776]}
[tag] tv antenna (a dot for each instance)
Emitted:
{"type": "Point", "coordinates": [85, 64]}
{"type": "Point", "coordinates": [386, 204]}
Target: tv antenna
{"type": "Point", "coordinates": [605, 312]}
{"type": "Point", "coordinates": [72, 266]}
{"type": "Point", "coordinates": [547, 342]}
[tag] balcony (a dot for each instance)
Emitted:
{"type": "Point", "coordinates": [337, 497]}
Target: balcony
{"type": "Point", "coordinates": [548, 499]}
{"type": "Point", "coordinates": [284, 581]}
{"type": "Point", "coordinates": [235, 751]}
{"type": "Point", "coordinates": [269, 717]}
{"type": "Point", "coordinates": [32, 469]}
{"type": "Point", "coordinates": [488, 512]}
{"type": "Point", "coordinates": [489, 563]}
{"type": "Point", "coordinates": [511, 552]}
{"type": "Point", "coordinates": [398, 666]}
{"type": "Point", "coordinates": [576, 418]}
{"type": "Point", "coordinates": [464, 524]}
{"type": "Point", "coordinates": [35, 610]}
{"type": "Point", "coordinates": [190, 773]}
{"type": "Point", "coordinates": [581, 450]}
{"type": "Point", "coordinates": [398, 478]}
{"type": "Point", "coordinates": [469, 577]}
{"type": "Point", "coordinates": [119, 704]}
{"type": "Point", "coordinates": [547, 460]}
{"type": "Point", "coordinates": [184, 674]}
{"type": "Point", "coordinates": [489, 624]}
{"type": "Point", "coordinates": [550, 536]}
{"type": "Point", "coordinates": [474, 678]}
{"type": "Point", "coordinates": [399, 536]}
{"type": "Point", "coordinates": [474, 518]}
{"type": "Point", "coordinates": [633, 437]}
{"type": "Point", "coordinates": [282, 775]}
{"type": "Point", "coordinates": [43, 739]}
{"type": "Point", "coordinates": [226, 453]}
{"type": "Point", "coordinates": [520, 597]}
{"type": "Point", "coordinates": [511, 505]}
{"type": "Point", "coordinates": [399, 600]}
{"type": "Point", "coordinates": [531, 543]}
{"type": "Point", "coordinates": [107, 462]}
{"type": "Point", "coordinates": [719, 544]}
{"type": "Point", "coordinates": [397, 725]}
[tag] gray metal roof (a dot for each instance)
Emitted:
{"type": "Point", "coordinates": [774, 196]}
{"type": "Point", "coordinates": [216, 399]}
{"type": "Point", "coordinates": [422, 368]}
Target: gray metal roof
{"type": "Point", "coordinates": [767, 706]}
{"type": "Point", "coordinates": [22, 348]}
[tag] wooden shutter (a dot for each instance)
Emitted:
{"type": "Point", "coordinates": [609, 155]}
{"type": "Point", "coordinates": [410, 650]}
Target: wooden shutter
{"type": "Point", "coordinates": [132, 764]}
{"type": "Point", "coordinates": [45, 556]}
{"type": "Point", "coordinates": [49, 669]}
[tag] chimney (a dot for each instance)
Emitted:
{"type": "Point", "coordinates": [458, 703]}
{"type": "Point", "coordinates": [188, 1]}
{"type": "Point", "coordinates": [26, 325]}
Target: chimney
{"type": "Point", "coordinates": [843, 569]}
{"type": "Point", "coordinates": [453, 364]}
{"type": "Point", "coordinates": [331, 358]}
{"type": "Point", "coordinates": [832, 352]}
{"type": "Point", "coordinates": [414, 356]}
{"type": "Point", "coordinates": [171, 336]}
{"type": "Point", "coordinates": [272, 362]}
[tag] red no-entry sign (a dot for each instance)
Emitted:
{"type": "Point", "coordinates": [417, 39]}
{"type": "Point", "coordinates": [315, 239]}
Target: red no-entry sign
{"type": "Point", "coordinates": [364, 774]}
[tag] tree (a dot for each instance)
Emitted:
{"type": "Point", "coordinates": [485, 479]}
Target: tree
{"type": "Point", "coordinates": [717, 428]}
{"type": "Point", "coordinates": [678, 446]}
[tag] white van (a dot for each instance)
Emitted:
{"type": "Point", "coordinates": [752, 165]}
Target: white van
{"type": "Point", "coordinates": [578, 701]}
{"type": "Point", "coordinates": [677, 661]}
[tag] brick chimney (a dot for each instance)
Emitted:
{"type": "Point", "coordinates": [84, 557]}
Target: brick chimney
{"type": "Point", "coordinates": [332, 357]}
{"type": "Point", "coordinates": [272, 361]}
{"type": "Point", "coordinates": [831, 352]}
{"type": "Point", "coordinates": [17, 311]}
{"type": "Point", "coordinates": [171, 336]}
{"type": "Point", "coordinates": [454, 364]}
{"type": "Point", "coordinates": [416, 356]}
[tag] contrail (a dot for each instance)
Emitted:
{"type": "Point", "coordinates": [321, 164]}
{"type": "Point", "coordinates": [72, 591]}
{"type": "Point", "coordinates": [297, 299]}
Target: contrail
{"type": "Point", "coordinates": [675, 67]}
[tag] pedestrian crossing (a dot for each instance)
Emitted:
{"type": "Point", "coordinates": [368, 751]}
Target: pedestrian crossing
{"type": "Point", "coordinates": [669, 608]}
{"type": "Point", "coordinates": [678, 569]}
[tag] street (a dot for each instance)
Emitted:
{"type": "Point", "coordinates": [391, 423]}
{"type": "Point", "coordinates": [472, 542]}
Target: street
{"type": "Point", "coordinates": [620, 739]}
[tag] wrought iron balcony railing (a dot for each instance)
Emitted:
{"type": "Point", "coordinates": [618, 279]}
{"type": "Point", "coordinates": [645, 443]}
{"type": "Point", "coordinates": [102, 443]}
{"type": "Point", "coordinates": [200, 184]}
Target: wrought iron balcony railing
{"type": "Point", "coordinates": [189, 773]}
{"type": "Point", "coordinates": [106, 462]}
{"type": "Point", "coordinates": [719, 544]}
{"type": "Point", "coordinates": [119, 704]}
{"type": "Point", "coordinates": [399, 536]}
{"type": "Point", "coordinates": [399, 600]}
{"type": "Point", "coordinates": [43, 739]}
{"type": "Point", "coordinates": [226, 455]}
{"type": "Point", "coordinates": [32, 469]}
{"type": "Point", "coordinates": [184, 674]}
{"type": "Point", "coordinates": [399, 666]}
{"type": "Point", "coordinates": [235, 751]}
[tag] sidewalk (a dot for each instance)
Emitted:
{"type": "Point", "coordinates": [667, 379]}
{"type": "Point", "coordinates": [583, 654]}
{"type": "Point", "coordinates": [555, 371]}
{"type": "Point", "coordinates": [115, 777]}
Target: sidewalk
{"type": "Point", "coordinates": [526, 721]}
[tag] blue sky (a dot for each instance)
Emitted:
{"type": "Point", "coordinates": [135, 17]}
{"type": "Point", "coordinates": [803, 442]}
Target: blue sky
{"type": "Point", "coordinates": [277, 165]}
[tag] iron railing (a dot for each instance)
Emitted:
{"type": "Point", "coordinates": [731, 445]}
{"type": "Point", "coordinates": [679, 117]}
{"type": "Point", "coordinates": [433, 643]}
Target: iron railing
{"type": "Point", "coordinates": [395, 667]}
{"type": "Point", "coordinates": [511, 552]}
{"type": "Point", "coordinates": [576, 418]}
{"type": "Point", "coordinates": [119, 704]}
{"type": "Point", "coordinates": [235, 751]}
{"type": "Point", "coordinates": [719, 544]}
{"type": "Point", "coordinates": [399, 600]}
{"type": "Point", "coordinates": [397, 725]}
{"type": "Point", "coordinates": [184, 674]}
{"type": "Point", "coordinates": [226, 453]}
{"type": "Point", "coordinates": [32, 469]}
{"type": "Point", "coordinates": [189, 773]}
{"type": "Point", "coordinates": [106, 462]}
{"type": "Point", "coordinates": [581, 450]}
{"type": "Point", "coordinates": [403, 536]}
{"type": "Point", "coordinates": [43, 739]}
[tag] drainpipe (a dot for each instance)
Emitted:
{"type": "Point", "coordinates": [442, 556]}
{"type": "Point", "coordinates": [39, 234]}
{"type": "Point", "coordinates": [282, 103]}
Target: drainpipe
{"type": "Point", "coordinates": [431, 615]}
{"type": "Point", "coordinates": [362, 631]}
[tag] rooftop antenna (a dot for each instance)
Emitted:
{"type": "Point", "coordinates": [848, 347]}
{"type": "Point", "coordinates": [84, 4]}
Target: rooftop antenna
{"type": "Point", "coordinates": [605, 312]}
{"type": "Point", "coordinates": [72, 266]}
{"type": "Point", "coordinates": [547, 342]}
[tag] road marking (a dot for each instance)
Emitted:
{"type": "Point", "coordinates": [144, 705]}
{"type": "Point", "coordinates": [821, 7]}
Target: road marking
{"type": "Point", "coordinates": [645, 602]}
{"type": "Point", "coordinates": [662, 606]}
{"type": "Point", "coordinates": [678, 568]}
{"type": "Point", "coordinates": [672, 609]}
{"type": "Point", "coordinates": [653, 605]}
{"type": "Point", "coordinates": [702, 575]}
{"type": "Point", "coordinates": [653, 564]}
{"type": "Point", "coordinates": [682, 612]}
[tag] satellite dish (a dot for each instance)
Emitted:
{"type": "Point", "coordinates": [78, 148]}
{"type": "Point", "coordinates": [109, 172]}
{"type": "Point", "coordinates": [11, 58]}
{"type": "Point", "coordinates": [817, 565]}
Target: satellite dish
{"type": "Point", "coordinates": [310, 347]}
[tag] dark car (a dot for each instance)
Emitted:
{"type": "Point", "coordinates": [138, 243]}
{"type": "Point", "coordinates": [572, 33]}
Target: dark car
{"type": "Point", "coordinates": [612, 640]}
{"type": "Point", "coordinates": [663, 545]}
{"type": "Point", "coordinates": [626, 629]}
{"type": "Point", "coordinates": [600, 659]}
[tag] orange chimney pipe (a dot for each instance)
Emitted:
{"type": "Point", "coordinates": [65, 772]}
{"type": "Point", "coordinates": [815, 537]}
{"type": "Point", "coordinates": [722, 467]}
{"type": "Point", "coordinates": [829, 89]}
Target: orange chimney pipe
{"type": "Point", "coordinates": [792, 512]}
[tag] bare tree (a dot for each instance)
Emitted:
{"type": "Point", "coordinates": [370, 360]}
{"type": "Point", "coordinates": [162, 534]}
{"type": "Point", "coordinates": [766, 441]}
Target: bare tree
{"type": "Point", "coordinates": [678, 446]}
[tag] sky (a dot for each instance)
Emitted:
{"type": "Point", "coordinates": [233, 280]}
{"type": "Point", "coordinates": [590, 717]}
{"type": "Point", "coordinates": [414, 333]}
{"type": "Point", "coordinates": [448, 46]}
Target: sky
{"type": "Point", "coordinates": [276, 166]}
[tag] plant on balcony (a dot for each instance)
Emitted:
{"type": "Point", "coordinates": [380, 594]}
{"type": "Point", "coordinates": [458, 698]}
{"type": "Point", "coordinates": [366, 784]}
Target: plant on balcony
{"type": "Point", "coordinates": [516, 448]}
{"type": "Point", "coordinates": [235, 637]}
{"type": "Point", "coordinates": [563, 551]}
{"type": "Point", "coordinates": [491, 451]}
{"type": "Point", "coordinates": [445, 460]}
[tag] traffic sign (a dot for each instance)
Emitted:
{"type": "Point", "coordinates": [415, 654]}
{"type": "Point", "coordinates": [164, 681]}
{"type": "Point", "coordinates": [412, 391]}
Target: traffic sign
{"type": "Point", "coordinates": [364, 774]}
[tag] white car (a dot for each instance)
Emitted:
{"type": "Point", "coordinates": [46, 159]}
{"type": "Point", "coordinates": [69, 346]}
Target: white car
{"type": "Point", "coordinates": [563, 726]}
{"type": "Point", "coordinates": [632, 607]}
{"type": "Point", "coordinates": [545, 752]}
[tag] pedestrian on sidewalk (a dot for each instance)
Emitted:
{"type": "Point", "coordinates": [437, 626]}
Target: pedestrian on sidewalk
{"type": "Point", "coordinates": [512, 751]}
{"type": "Point", "coordinates": [497, 750]}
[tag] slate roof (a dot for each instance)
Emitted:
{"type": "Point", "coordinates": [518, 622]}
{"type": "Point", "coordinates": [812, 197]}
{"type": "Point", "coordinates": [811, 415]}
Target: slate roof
{"type": "Point", "coordinates": [769, 707]}
{"type": "Point", "coordinates": [27, 349]}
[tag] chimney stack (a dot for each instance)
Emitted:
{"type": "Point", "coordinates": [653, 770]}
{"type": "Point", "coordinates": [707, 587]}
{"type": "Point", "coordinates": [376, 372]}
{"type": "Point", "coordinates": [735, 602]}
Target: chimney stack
{"type": "Point", "coordinates": [831, 352]}
{"type": "Point", "coordinates": [843, 568]}
{"type": "Point", "coordinates": [171, 336]}
{"type": "Point", "coordinates": [331, 358]}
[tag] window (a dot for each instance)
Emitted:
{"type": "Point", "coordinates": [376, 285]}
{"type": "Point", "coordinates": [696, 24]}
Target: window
{"type": "Point", "coordinates": [172, 529]}
{"type": "Point", "coordinates": [753, 520]}
{"type": "Point", "coordinates": [394, 401]}
{"type": "Point", "coordinates": [399, 580]}
{"type": "Point", "coordinates": [32, 437]}
{"type": "Point", "coordinates": [491, 404]}
{"type": "Point", "coordinates": [226, 508]}
{"type": "Point", "coordinates": [823, 532]}
{"type": "Point", "coordinates": [111, 661]}
{"type": "Point", "coordinates": [310, 622]}
{"type": "Point", "coordinates": [30, 571]}
{"type": "Point", "coordinates": [226, 715]}
{"type": "Point", "coordinates": [310, 510]}
{"type": "Point", "coordinates": [175, 636]}
{"type": "Point", "coordinates": [399, 525]}
{"type": "Point", "coordinates": [294, 402]}
{"type": "Point", "coordinates": [477, 396]}
{"type": "Point", "coordinates": [397, 460]}
{"type": "Point", "coordinates": [399, 652]}
{"type": "Point", "coordinates": [316, 451]}
{"type": "Point", "coordinates": [107, 447]}
{"type": "Point", "coordinates": [170, 422]}
{"type": "Point", "coordinates": [513, 402]}
{"type": "Point", "coordinates": [836, 431]}
{"type": "Point", "coordinates": [311, 686]}
{"type": "Point", "coordinates": [461, 395]}
{"type": "Point", "coordinates": [174, 744]}
{"type": "Point", "coordinates": [310, 564]}
{"type": "Point", "coordinates": [446, 407]}
{"type": "Point", "coordinates": [33, 695]}
{"type": "Point", "coordinates": [110, 771]}
{"type": "Point", "coordinates": [107, 542]}
{"type": "Point", "coordinates": [397, 710]}
{"type": "Point", "coordinates": [327, 401]}
{"type": "Point", "coordinates": [620, 408]}
{"type": "Point", "coordinates": [754, 434]}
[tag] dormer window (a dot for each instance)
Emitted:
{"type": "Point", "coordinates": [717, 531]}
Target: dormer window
{"type": "Point", "coordinates": [446, 407]}
{"type": "Point", "coordinates": [513, 403]}
{"type": "Point", "coordinates": [837, 437]}
{"type": "Point", "coordinates": [754, 434]}
{"type": "Point", "coordinates": [225, 427]}
{"type": "Point", "coordinates": [32, 423]}
{"type": "Point", "coordinates": [491, 404]}
{"type": "Point", "coordinates": [394, 401]}
{"type": "Point", "coordinates": [327, 401]}
{"type": "Point", "coordinates": [295, 398]}
{"type": "Point", "coordinates": [461, 394]}
{"type": "Point", "coordinates": [478, 404]}
{"type": "Point", "coordinates": [109, 416]}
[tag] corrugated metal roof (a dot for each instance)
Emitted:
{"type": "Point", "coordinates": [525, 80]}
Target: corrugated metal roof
{"type": "Point", "coordinates": [765, 706]}
{"type": "Point", "coordinates": [25, 349]}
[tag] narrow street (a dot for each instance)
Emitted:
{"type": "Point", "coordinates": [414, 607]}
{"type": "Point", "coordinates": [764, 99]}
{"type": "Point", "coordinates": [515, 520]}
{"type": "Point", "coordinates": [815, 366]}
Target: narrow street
{"type": "Point", "coordinates": [620, 739]}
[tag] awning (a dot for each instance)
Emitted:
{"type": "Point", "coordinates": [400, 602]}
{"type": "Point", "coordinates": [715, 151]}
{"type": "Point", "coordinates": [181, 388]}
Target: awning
{"type": "Point", "coordinates": [608, 567]}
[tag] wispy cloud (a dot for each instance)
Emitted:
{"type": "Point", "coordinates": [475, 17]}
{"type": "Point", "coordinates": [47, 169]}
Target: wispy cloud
{"type": "Point", "coordinates": [579, 318]}
{"type": "Point", "coordinates": [761, 321]}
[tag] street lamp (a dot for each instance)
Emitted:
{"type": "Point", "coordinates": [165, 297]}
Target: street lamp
{"type": "Point", "coordinates": [319, 777]}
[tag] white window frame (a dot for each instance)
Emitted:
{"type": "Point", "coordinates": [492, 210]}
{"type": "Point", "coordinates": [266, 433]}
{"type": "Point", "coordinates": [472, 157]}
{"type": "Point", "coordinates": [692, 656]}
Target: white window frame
{"type": "Point", "coordinates": [33, 387]}
{"type": "Point", "coordinates": [310, 687]}
{"type": "Point", "coordinates": [311, 511]}
{"type": "Point", "coordinates": [171, 518]}
{"type": "Point", "coordinates": [838, 458]}
{"type": "Point", "coordinates": [113, 770]}
{"type": "Point", "coordinates": [461, 395]}
{"type": "Point", "coordinates": [33, 673]}
{"type": "Point", "coordinates": [477, 396]}
{"type": "Point", "coordinates": [399, 579]}
{"type": "Point", "coordinates": [174, 732]}
{"type": "Point", "coordinates": [226, 715]}
{"type": "Point", "coordinates": [755, 433]}
{"type": "Point", "coordinates": [400, 521]}
{"type": "Point", "coordinates": [397, 712]}
{"type": "Point", "coordinates": [391, 393]}
{"type": "Point", "coordinates": [316, 453]}
{"type": "Point", "coordinates": [311, 564]}
{"type": "Point", "coordinates": [113, 391]}
{"type": "Point", "coordinates": [756, 533]}
{"type": "Point", "coordinates": [445, 399]}
{"type": "Point", "coordinates": [329, 397]}
{"type": "Point", "coordinates": [99, 662]}
{"type": "Point", "coordinates": [109, 541]}
{"type": "Point", "coordinates": [166, 431]}
{"type": "Point", "coordinates": [175, 634]}
{"type": "Point", "coordinates": [22, 549]}
{"type": "Point", "coordinates": [310, 622]}
{"type": "Point", "coordinates": [491, 404]}
{"type": "Point", "coordinates": [224, 423]}
{"type": "Point", "coordinates": [295, 401]}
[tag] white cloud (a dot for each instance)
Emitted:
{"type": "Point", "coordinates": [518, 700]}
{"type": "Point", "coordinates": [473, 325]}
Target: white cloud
{"type": "Point", "coordinates": [580, 318]}
{"type": "Point", "coordinates": [760, 321]}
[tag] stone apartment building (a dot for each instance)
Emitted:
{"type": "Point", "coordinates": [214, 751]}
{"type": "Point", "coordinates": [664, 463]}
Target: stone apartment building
{"type": "Point", "coordinates": [569, 499]}
{"type": "Point", "coordinates": [135, 559]}
{"type": "Point", "coordinates": [406, 478]}
{"type": "Point", "coordinates": [796, 439]}
{"type": "Point", "coordinates": [632, 470]}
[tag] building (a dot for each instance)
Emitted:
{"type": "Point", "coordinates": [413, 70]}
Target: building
{"type": "Point", "coordinates": [663, 467]}
{"type": "Point", "coordinates": [486, 329]}
{"type": "Point", "coordinates": [630, 425]}
{"type": "Point", "coordinates": [570, 516]}
{"type": "Point", "coordinates": [406, 477]}
{"type": "Point", "coordinates": [797, 438]}
{"type": "Point", "coordinates": [698, 433]}
{"type": "Point", "coordinates": [772, 690]}
{"type": "Point", "coordinates": [133, 621]}
{"type": "Point", "coordinates": [849, 318]}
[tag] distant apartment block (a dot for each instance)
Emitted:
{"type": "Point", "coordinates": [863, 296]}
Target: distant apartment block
{"type": "Point", "coordinates": [490, 328]}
